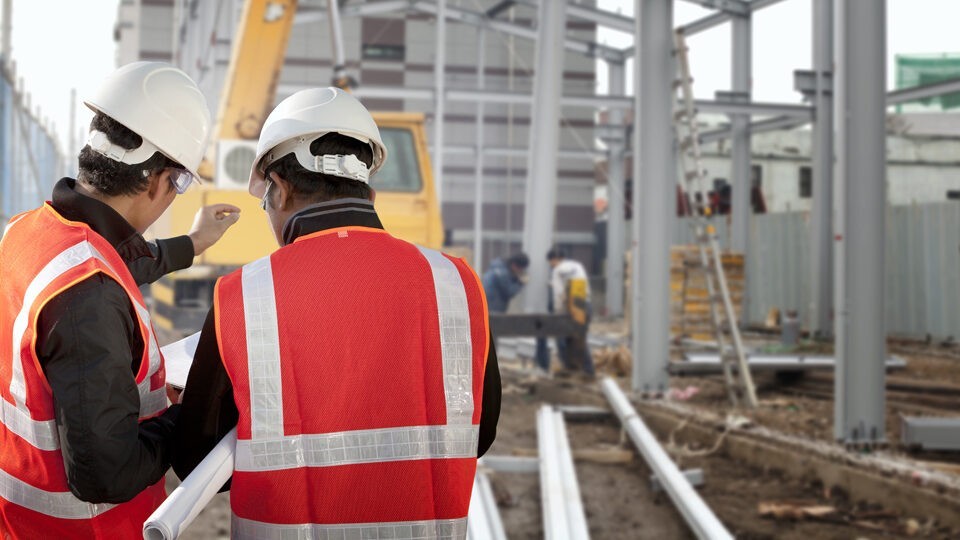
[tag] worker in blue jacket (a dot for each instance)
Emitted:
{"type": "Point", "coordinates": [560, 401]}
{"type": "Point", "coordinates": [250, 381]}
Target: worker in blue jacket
{"type": "Point", "coordinates": [503, 280]}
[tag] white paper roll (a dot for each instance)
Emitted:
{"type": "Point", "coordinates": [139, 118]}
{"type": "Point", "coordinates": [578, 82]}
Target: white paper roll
{"type": "Point", "coordinates": [190, 497]}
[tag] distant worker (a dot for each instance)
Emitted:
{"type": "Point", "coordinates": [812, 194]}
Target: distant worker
{"type": "Point", "coordinates": [570, 289]}
{"type": "Point", "coordinates": [85, 431]}
{"type": "Point", "coordinates": [505, 279]}
{"type": "Point", "coordinates": [358, 368]}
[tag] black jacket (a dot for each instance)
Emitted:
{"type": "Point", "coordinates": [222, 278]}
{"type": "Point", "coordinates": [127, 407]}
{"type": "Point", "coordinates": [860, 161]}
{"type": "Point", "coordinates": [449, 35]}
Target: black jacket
{"type": "Point", "coordinates": [209, 411]}
{"type": "Point", "coordinates": [90, 348]}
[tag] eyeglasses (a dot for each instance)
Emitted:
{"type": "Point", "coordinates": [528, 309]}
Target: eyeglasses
{"type": "Point", "coordinates": [266, 191]}
{"type": "Point", "coordinates": [181, 179]}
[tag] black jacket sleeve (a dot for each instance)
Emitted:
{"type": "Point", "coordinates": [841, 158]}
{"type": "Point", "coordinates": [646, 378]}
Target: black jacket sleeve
{"type": "Point", "coordinates": [169, 255]}
{"type": "Point", "coordinates": [209, 411]}
{"type": "Point", "coordinates": [89, 347]}
{"type": "Point", "coordinates": [490, 411]}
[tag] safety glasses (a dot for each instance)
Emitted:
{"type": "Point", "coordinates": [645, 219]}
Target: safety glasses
{"type": "Point", "coordinates": [181, 179]}
{"type": "Point", "coordinates": [266, 193]}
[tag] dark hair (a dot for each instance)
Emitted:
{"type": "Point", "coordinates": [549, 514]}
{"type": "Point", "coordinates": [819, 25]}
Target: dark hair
{"type": "Point", "coordinates": [519, 259]}
{"type": "Point", "coordinates": [319, 187]}
{"type": "Point", "coordinates": [113, 178]}
{"type": "Point", "coordinates": [556, 253]}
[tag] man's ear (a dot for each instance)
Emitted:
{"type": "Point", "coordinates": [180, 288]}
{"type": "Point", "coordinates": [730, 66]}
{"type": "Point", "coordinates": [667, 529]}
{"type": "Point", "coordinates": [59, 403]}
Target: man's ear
{"type": "Point", "coordinates": [282, 192]}
{"type": "Point", "coordinates": [156, 182]}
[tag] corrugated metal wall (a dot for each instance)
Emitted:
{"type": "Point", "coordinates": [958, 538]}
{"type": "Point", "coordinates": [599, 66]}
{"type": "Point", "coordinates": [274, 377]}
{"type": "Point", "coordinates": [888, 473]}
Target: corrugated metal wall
{"type": "Point", "coordinates": [922, 267]}
{"type": "Point", "coordinates": [30, 160]}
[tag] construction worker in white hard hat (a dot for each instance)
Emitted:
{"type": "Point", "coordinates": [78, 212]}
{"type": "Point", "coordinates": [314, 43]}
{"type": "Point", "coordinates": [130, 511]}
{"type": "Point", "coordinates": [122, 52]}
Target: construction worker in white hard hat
{"type": "Point", "coordinates": [358, 368]}
{"type": "Point", "coordinates": [84, 423]}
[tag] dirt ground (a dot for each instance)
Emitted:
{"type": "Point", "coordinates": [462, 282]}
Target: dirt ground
{"type": "Point", "coordinates": [618, 498]}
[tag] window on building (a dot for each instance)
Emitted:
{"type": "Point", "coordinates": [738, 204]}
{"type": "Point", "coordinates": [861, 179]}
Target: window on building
{"type": "Point", "coordinates": [806, 182]}
{"type": "Point", "coordinates": [393, 53]}
{"type": "Point", "coordinates": [402, 171]}
{"type": "Point", "coordinates": [756, 177]}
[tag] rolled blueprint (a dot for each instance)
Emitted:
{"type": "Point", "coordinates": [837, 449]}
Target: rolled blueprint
{"type": "Point", "coordinates": [190, 497]}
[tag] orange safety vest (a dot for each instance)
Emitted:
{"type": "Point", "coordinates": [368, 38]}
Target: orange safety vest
{"type": "Point", "coordinates": [41, 255]}
{"type": "Point", "coordinates": [357, 365]}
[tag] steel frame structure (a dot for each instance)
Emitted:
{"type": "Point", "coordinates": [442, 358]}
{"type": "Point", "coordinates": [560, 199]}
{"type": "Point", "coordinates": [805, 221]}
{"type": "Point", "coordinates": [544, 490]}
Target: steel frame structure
{"type": "Point", "coordinates": [855, 91]}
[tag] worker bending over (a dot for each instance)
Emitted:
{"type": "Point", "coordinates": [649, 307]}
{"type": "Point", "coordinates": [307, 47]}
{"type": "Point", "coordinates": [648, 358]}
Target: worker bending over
{"type": "Point", "coordinates": [85, 431]}
{"type": "Point", "coordinates": [570, 288]}
{"type": "Point", "coordinates": [357, 367]}
{"type": "Point", "coordinates": [503, 280]}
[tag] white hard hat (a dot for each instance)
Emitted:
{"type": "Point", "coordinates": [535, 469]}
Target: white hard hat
{"type": "Point", "coordinates": [161, 104]}
{"type": "Point", "coordinates": [303, 118]}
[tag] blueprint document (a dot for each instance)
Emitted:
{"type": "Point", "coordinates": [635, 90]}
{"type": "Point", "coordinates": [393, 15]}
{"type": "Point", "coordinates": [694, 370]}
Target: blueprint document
{"type": "Point", "coordinates": [178, 357]}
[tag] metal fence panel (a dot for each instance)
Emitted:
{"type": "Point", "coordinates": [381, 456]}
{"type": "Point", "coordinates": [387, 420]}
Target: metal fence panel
{"type": "Point", "coordinates": [922, 267]}
{"type": "Point", "coordinates": [30, 160]}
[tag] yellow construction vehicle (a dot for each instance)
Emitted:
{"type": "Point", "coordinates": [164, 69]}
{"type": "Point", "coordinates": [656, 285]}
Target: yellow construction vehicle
{"type": "Point", "coordinates": [406, 199]}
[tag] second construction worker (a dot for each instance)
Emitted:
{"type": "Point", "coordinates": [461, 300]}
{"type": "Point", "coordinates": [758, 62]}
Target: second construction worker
{"type": "Point", "coordinates": [570, 287]}
{"type": "Point", "coordinates": [357, 367]}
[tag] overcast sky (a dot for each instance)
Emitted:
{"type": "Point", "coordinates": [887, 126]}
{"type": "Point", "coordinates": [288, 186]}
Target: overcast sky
{"type": "Point", "coordinates": [59, 44]}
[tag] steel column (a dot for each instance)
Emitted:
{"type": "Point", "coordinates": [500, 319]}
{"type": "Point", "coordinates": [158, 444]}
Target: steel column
{"type": "Point", "coordinates": [478, 164]}
{"type": "Point", "coordinates": [439, 95]}
{"type": "Point", "coordinates": [336, 36]}
{"type": "Point", "coordinates": [541, 191]}
{"type": "Point", "coordinates": [7, 32]}
{"type": "Point", "coordinates": [861, 203]}
{"type": "Point", "coordinates": [616, 187]}
{"type": "Point", "coordinates": [821, 218]}
{"type": "Point", "coordinates": [740, 141]}
{"type": "Point", "coordinates": [654, 195]}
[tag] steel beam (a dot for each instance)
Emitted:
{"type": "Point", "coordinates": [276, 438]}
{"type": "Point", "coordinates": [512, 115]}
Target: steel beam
{"type": "Point", "coordinates": [477, 18]}
{"type": "Point", "coordinates": [654, 195]}
{"type": "Point", "coordinates": [478, 157]}
{"type": "Point", "coordinates": [616, 187]}
{"type": "Point", "coordinates": [439, 95]}
{"type": "Point", "coordinates": [701, 520]}
{"type": "Point", "coordinates": [563, 516]}
{"type": "Point", "coordinates": [861, 209]}
{"type": "Point", "coordinates": [601, 17]}
{"type": "Point", "coordinates": [541, 189]}
{"type": "Point", "coordinates": [922, 92]}
{"type": "Point", "coordinates": [931, 433]}
{"type": "Point", "coordinates": [365, 9]}
{"type": "Point", "coordinates": [762, 126]}
{"type": "Point", "coordinates": [821, 218]}
{"type": "Point", "coordinates": [740, 148]}
{"type": "Point", "coordinates": [532, 324]}
{"type": "Point", "coordinates": [721, 106]}
{"type": "Point", "coordinates": [717, 19]}
{"type": "Point", "coordinates": [730, 7]}
{"type": "Point", "coordinates": [484, 521]}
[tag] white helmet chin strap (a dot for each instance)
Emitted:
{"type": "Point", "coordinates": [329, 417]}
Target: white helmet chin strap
{"type": "Point", "coordinates": [343, 166]}
{"type": "Point", "coordinates": [99, 143]}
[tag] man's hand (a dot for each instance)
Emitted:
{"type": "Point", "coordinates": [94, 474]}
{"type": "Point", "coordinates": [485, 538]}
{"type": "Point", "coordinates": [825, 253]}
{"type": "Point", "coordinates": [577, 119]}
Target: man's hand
{"type": "Point", "coordinates": [210, 223]}
{"type": "Point", "coordinates": [174, 394]}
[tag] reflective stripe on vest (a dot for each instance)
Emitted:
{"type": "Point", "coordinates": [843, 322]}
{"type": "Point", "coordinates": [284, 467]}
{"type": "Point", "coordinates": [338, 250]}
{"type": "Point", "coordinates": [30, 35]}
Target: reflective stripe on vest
{"type": "Point", "coordinates": [355, 447]}
{"type": "Point", "coordinates": [62, 504]}
{"type": "Point", "coordinates": [43, 434]}
{"type": "Point", "coordinates": [441, 529]}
